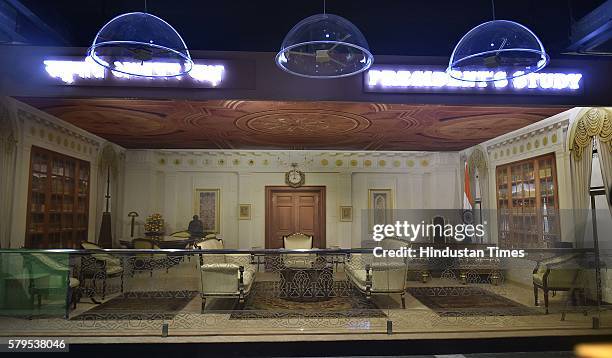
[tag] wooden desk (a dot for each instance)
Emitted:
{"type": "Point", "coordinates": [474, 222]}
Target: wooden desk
{"type": "Point", "coordinates": [167, 242]}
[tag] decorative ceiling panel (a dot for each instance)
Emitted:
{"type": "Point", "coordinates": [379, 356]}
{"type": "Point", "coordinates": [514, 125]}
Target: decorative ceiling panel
{"type": "Point", "coordinates": [236, 124]}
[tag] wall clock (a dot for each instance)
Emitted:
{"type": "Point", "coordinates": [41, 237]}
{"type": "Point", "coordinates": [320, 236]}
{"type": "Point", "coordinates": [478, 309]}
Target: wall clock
{"type": "Point", "coordinates": [295, 177]}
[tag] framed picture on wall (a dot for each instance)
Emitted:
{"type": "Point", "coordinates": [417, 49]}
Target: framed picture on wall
{"type": "Point", "coordinates": [346, 213]}
{"type": "Point", "coordinates": [380, 207]}
{"type": "Point", "coordinates": [244, 212]}
{"type": "Point", "coordinates": [208, 208]}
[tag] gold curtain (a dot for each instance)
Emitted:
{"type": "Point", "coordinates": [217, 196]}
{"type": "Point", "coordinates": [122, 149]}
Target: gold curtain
{"type": "Point", "coordinates": [478, 161]}
{"type": "Point", "coordinates": [592, 123]}
{"type": "Point", "coordinates": [604, 149]}
{"type": "Point", "coordinates": [8, 152]}
{"type": "Point", "coordinates": [580, 166]}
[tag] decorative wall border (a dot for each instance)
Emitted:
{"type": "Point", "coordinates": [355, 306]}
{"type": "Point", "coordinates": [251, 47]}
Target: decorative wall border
{"type": "Point", "coordinates": [57, 135]}
{"type": "Point", "coordinates": [535, 141]}
{"type": "Point", "coordinates": [319, 161]}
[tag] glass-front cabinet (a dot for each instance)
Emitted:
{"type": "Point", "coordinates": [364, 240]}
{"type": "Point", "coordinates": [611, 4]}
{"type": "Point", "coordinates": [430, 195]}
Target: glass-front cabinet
{"type": "Point", "coordinates": [58, 201]}
{"type": "Point", "coordinates": [527, 203]}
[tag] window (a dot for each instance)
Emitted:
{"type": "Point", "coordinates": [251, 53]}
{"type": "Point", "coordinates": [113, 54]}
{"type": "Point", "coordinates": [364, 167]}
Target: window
{"type": "Point", "coordinates": [58, 200]}
{"type": "Point", "coordinates": [527, 203]}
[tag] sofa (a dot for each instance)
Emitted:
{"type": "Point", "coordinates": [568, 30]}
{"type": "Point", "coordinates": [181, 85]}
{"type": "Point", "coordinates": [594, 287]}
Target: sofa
{"type": "Point", "coordinates": [224, 275]}
{"type": "Point", "coordinates": [379, 276]}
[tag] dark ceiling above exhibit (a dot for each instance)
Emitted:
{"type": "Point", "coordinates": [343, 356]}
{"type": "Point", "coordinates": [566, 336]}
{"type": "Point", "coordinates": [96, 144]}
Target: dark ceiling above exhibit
{"type": "Point", "coordinates": [408, 28]}
{"type": "Point", "coordinates": [238, 124]}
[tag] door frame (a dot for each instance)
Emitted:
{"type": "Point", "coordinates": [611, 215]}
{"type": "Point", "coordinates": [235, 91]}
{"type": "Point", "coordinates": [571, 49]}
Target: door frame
{"type": "Point", "coordinates": [270, 189]}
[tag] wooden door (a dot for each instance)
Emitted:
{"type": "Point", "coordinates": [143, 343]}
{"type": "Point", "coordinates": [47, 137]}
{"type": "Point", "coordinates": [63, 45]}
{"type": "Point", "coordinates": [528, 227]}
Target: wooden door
{"type": "Point", "coordinates": [291, 210]}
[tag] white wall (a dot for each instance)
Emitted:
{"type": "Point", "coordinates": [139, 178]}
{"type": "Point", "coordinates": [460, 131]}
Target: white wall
{"type": "Point", "coordinates": [164, 181]}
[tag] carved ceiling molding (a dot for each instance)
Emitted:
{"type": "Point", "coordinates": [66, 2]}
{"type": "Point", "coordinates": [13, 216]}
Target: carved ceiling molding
{"type": "Point", "coordinates": [287, 125]}
{"type": "Point", "coordinates": [25, 116]}
{"type": "Point", "coordinates": [540, 140]}
{"type": "Point", "coordinates": [548, 129]}
{"type": "Point", "coordinates": [52, 133]}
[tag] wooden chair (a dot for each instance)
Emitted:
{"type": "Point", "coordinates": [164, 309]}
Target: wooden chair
{"type": "Point", "coordinates": [559, 273]}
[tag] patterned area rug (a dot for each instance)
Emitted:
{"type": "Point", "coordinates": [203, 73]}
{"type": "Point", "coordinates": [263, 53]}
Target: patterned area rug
{"type": "Point", "coordinates": [468, 301]}
{"type": "Point", "coordinates": [264, 302]}
{"type": "Point", "coordinates": [154, 305]}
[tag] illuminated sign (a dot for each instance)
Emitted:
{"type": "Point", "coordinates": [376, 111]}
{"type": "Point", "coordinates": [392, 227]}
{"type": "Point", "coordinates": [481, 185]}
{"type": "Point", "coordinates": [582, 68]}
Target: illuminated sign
{"type": "Point", "coordinates": [87, 72]}
{"type": "Point", "coordinates": [435, 79]}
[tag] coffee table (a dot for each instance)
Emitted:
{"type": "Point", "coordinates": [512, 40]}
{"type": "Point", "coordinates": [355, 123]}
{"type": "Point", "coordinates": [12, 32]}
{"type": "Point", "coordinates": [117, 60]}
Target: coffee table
{"type": "Point", "coordinates": [311, 284]}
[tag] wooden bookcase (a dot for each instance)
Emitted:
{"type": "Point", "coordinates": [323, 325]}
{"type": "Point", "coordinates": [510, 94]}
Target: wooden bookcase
{"type": "Point", "coordinates": [58, 200]}
{"type": "Point", "coordinates": [528, 203]}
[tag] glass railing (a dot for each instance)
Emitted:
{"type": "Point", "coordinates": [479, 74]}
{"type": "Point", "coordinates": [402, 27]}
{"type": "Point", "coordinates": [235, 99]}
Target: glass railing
{"type": "Point", "coordinates": [184, 292]}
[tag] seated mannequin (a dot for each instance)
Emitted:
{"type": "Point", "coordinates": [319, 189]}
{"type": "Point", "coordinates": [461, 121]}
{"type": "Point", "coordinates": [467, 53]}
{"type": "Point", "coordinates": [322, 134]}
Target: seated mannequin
{"type": "Point", "coordinates": [196, 227]}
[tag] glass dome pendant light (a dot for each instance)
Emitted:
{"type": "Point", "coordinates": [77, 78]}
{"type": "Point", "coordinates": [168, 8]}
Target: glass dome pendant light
{"type": "Point", "coordinates": [141, 44]}
{"type": "Point", "coordinates": [497, 50]}
{"type": "Point", "coordinates": [324, 46]}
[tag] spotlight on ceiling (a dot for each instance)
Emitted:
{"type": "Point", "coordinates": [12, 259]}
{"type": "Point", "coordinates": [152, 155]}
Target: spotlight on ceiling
{"type": "Point", "coordinates": [324, 46]}
{"type": "Point", "coordinates": [505, 48]}
{"type": "Point", "coordinates": [141, 44]}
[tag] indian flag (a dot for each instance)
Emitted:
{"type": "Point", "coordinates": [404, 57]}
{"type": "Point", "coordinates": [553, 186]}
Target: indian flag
{"type": "Point", "coordinates": [467, 193]}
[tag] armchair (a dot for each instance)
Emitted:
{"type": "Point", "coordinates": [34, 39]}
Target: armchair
{"type": "Point", "coordinates": [559, 273]}
{"type": "Point", "coordinates": [295, 242]}
{"type": "Point", "coordinates": [60, 278]}
{"type": "Point", "coordinates": [100, 266]}
{"type": "Point", "coordinates": [224, 275]}
{"type": "Point", "coordinates": [149, 262]}
{"type": "Point", "coordinates": [379, 276]}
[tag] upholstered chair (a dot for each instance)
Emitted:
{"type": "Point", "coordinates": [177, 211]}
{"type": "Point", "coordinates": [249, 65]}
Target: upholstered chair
{"type": "Point", "coordinates": [179, 236]}
{"type": "Point", "coordinates": [224, 275]}
{"type": "Point", "coordinates": [559, 273]}
{"type": "Point", "coordinates": [60, 278]}
{"type": "Point", "coordinates": [298, 241]}
{"type": "Point", "coordinates": [146, 261]}
{"type": "Point", "coordinates": [377, 275]}
{"type": "Point", "coordinates": [99, 267]}
{"type": "Point", "coordinates": [211, 243]}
